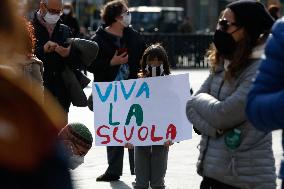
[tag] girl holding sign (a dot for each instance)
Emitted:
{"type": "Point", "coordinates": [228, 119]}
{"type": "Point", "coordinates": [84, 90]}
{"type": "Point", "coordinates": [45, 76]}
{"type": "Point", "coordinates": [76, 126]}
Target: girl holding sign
{"type": "Point", "coordinates": [151, 161]}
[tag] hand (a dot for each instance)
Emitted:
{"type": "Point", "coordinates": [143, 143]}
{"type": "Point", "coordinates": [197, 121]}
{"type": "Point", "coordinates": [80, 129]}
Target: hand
{"type": "Point", "coordinates": [62, 51]}
{"type": "Point", "coordinates": [168, 143]}
{"type": "Point", "coordinates": [118, 60]}
{"type": "Point", "coordinates": [129, 145]}
{"type": "Point", "coordinates": [220, 132]}
{"type": "Point", "coordinates": [49, 47]}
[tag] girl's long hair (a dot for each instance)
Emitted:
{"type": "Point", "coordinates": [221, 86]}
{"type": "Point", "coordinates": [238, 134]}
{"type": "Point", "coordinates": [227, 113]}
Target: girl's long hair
{"type": "Point", "coordinates": [152, 52]}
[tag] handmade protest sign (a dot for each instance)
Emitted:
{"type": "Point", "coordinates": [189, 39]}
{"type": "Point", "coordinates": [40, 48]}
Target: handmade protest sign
{"type": "Point", "coordinates": [142, 112]}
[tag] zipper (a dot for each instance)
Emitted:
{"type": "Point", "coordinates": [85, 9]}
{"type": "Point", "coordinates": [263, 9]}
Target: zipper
{"type": "Point", "coordinates": [219, 90]}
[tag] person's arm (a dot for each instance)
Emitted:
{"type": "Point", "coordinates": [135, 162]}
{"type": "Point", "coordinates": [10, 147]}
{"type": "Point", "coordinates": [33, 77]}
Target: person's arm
{"type": "Point", "coordinates": [41, 50]}
{"type": "Point", "coordinates": [265, 105]}
{"type": "Point", "coordinates": [101, 63]}
{"type": "Point", "coordinates": [199, 123]}
{"type": "Point", "coordinates": [106, 58]}
{"type": "Point", "coordinates": [226, 114]}
{"type": "Point", "coordinates": [205, 87]}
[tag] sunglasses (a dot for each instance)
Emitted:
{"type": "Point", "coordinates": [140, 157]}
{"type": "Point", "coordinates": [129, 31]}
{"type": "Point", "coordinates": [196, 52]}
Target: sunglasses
{"type": "Point", "coordinates": [225, 24]}
{"type": "Point", "coordinates": [126, 12]}
{"type": "Point", "coordinates": [53, 11]}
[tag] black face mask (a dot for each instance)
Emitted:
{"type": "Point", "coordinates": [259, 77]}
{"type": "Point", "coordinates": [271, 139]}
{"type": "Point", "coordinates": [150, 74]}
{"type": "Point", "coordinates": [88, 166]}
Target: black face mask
{"type": "Point", "coordinates": [224, 42]}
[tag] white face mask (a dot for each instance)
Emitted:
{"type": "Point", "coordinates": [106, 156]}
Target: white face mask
{"type": "Point", "coordinates": [155, 71]}
{"type": "Point", "coordinates": [75, 161]}
{"type": "Point", "coordinates": [126, 20]}
{"type": "Point", "coordinates": [66, 11]}
{"type": "Point", "coordinates": [51, 18]}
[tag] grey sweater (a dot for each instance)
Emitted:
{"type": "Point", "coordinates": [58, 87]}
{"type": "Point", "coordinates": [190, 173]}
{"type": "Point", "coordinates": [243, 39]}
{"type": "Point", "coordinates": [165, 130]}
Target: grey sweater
{"type": "Point", "coordinates": [218, 107]}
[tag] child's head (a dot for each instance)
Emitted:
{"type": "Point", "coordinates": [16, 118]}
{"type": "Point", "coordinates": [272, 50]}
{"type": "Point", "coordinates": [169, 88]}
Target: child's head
{"type": "Point", "coordinates": [78, 140]}
{"type": "Point", "coordinates": [155, 61]}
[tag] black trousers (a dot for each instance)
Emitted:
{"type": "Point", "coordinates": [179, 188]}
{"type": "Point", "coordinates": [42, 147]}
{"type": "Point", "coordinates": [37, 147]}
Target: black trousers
{"type": "Point", "coordinates": [208, 183]}
{"type": "Point", "coordinates": [115, 160]}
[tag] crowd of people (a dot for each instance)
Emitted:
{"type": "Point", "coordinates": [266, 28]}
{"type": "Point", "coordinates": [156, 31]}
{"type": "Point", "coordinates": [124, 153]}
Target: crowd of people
{"type": "Point", "coordinates": [234, 111]}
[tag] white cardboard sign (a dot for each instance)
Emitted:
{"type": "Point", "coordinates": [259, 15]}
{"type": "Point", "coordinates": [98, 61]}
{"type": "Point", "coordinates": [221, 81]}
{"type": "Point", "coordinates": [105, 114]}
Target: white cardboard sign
{"type": "Point", "coordinates": [142, 112]}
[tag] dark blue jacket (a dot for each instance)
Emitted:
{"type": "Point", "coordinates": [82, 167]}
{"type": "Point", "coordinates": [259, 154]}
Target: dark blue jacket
{"type": "Point", "coordinates": [265, 106]}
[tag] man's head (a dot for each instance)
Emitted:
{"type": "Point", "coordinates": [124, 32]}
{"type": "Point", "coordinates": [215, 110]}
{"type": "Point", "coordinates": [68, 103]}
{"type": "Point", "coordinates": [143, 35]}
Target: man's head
{"type": "Point", "coordinates": [78, 141]}
{"type": "Point", "coordinates": [51, 10]}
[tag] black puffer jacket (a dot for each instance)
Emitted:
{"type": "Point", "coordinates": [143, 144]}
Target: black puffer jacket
{"type": "Point", "coordinates": [101, 67]}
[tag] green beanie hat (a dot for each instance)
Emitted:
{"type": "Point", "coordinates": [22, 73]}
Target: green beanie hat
{"type": "Point", "coordinates": [81, 134]}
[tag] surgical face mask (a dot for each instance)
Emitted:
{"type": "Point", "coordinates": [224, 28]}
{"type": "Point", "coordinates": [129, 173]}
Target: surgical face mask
{"type": "Point", "coordinates": [126, 19]}
{"type": "Point", "coordinates": [155, 71]}
{"type": "Point", "coordinates": [75, 161]}
{"type": "Point", "coordinates": [51, 18]}
{"type": "Point", "coordinates": [66, 11]}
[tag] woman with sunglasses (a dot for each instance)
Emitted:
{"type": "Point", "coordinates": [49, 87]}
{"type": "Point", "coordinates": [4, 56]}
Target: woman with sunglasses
{"type": "Point", "coordinates": [121, 49]}
{"type": "Point", "coordinates": [233, 154]}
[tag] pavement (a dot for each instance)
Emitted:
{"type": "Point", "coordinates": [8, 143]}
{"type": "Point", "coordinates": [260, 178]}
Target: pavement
{"type": "Point", "coordinates": [181, 172]}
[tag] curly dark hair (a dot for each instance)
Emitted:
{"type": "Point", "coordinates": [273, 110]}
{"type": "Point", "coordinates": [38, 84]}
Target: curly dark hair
{"type": "Point", "coordinates": [152, 52]}
{"type": "Point", "coordinates": [111, 10]}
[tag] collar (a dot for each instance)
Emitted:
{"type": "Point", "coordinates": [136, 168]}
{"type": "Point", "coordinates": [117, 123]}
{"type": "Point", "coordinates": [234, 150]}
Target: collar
{"type": "Point", "coordinates": [258, 51]}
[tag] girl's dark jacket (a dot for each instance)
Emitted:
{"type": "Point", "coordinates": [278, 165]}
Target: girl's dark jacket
{"type": "Point", "coordinates": [101, 67]}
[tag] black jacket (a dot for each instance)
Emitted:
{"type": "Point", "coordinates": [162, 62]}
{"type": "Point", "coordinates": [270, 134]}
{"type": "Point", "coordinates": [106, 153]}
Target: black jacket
{"type": "Point", "coordinates": [101, 67]}
{"type": "Point", "coordinates": [54, 64]}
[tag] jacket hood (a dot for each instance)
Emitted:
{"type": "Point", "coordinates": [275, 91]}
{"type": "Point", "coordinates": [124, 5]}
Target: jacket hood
{"type": "Point", "coordinates": [258, 51]}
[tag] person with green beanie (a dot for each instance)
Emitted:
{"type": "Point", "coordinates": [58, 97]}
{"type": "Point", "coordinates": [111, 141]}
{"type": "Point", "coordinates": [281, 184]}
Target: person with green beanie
{"type": "Point", "coordinates": [78, 140]}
